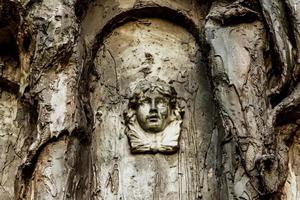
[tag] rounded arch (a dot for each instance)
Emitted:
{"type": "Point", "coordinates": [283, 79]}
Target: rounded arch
{"type": "Point", "coordinates": [165, 13]}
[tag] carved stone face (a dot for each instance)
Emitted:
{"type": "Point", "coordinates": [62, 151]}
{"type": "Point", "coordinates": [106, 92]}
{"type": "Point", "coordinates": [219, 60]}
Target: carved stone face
{"type": "Point", "coordinates": [153, 118]}
{"type": "Point", "coordinates": [153, 111]}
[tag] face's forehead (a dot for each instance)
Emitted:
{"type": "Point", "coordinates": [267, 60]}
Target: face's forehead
{"type": "Point", "coordinates": [155, 94]}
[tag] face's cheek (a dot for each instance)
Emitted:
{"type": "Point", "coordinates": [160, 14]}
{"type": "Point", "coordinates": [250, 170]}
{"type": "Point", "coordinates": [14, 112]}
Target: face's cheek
{"type": "Point", "coordinates": [163, 110]}
{"type": "Point", "coordinates": [142, 112]}
{"type": "Point", "coordinates": [153, 114]}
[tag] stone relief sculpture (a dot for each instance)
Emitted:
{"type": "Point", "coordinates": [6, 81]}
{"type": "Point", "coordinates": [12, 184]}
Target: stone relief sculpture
{"type": "Point", "coordinates": [251, 50]}
{"type": "Point", "coordinates": [153, 118]}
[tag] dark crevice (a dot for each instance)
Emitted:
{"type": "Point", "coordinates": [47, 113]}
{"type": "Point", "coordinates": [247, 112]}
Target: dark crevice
{"type": "Point", "coordinates": [274, 75]}
{"type": "Point", "coordinates": [27, 42]}
{"type": "Point", "coordinates": [9, 54]}
{"type": "Point", "coordinates": [290, 140]}
{"type": "Point", "coordinates": [289, 115]}
{"type": "Point", "coordinates": [236, 19]}
{"type": "Point", "coordinates": [9, 86]}
{"type": "Point", "coordinates": [290, 31]}
{"type": "Point", "coordinates": [9, 22]}
{"type": "Point", "coordinates": [289, 24]}
{"type": "Point", "coordinates": [81, 7]}
{"type": "Point", "coordinates": [9, 14]}
{"type": "Point", "coordinates": [237, 12]}
{"type": "Point", "coordinates": [269, 197]}
{"type": "Point", "coordinates": [9, 49]}
{"type": "Point", "coordinates": [276, 98]}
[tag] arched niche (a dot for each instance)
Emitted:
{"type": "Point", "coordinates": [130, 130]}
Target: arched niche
{"type": "Point", "coordinates": [135, 51]}
{"type": "Point", "coordinates": [100, 17]}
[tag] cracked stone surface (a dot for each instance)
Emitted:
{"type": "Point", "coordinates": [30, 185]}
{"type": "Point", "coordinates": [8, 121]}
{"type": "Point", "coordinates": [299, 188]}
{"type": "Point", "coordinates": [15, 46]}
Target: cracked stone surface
{"type": "Point", "coordinates": [65, 67]}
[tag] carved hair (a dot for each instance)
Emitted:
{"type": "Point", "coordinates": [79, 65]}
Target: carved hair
{"type": "Point", "coordinates": [145, 85]}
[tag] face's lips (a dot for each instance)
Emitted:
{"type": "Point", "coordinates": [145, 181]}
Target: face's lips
{"type": "Point", "coordinates": [153, 118]}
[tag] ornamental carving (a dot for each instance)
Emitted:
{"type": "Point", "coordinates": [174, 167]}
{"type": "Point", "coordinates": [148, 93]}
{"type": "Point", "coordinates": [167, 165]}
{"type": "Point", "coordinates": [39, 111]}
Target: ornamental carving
{"type": "Point", "coordinates": [153, 118]}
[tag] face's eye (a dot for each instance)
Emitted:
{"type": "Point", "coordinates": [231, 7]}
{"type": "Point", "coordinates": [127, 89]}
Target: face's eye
{"type": "Point", "coordinates": [161, 101]}
{"type": "Point", "coordinates": [144, 100]}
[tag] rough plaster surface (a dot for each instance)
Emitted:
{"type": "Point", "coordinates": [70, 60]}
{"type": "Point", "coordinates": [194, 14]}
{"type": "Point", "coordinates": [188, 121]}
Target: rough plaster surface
{"type": "Point", "coordinates": [240, 84]}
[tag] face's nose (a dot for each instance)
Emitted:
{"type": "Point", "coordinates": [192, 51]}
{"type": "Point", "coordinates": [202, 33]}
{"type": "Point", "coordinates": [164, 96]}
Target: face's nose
{"type": "Point", "coordinates": [153, 107]}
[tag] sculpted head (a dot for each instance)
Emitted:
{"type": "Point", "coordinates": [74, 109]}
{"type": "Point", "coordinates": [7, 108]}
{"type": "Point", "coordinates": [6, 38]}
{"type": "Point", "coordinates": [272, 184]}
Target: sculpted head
{"type": "Point", "coordinates": [153, 118]}
{"type": "Point", "coordinates": [153, 104]}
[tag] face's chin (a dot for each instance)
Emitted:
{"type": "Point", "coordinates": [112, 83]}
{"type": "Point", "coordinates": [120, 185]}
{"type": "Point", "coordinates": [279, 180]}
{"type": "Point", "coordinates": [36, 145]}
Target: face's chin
{"type": "Point", "coordinates": [154, 124]}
